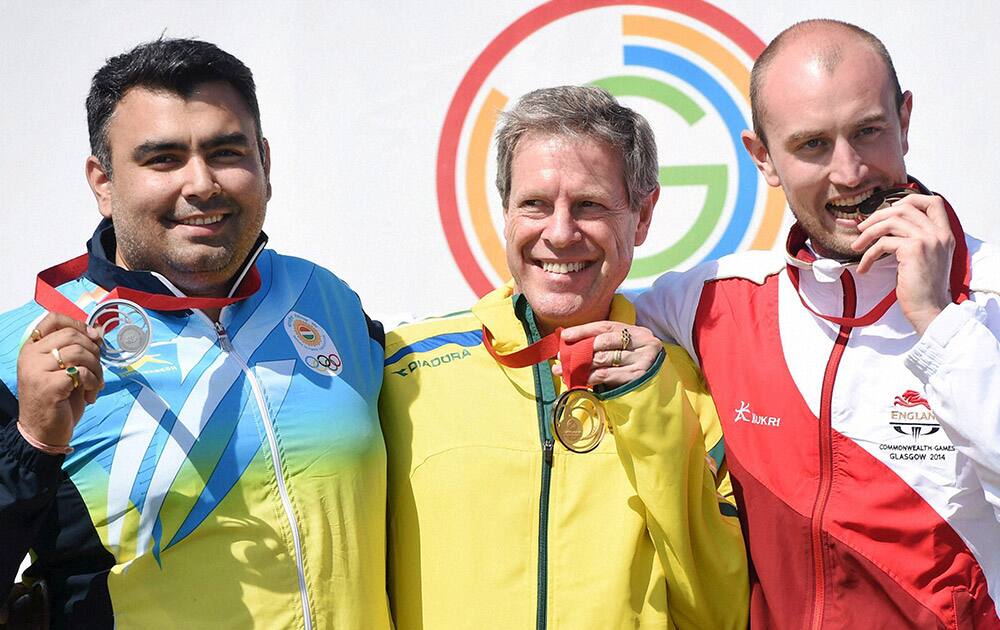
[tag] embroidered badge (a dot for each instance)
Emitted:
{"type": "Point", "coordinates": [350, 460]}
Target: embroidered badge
{"type": "Point", "coordinates": [314, 346]}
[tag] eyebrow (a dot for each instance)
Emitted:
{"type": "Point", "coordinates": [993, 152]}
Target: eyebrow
{"type": "Point", "coordinates": [229, 139]}
{"type": "Point", "coordinates": [157, 146]}
{"type": "Point", "coordinates": [801, 136]}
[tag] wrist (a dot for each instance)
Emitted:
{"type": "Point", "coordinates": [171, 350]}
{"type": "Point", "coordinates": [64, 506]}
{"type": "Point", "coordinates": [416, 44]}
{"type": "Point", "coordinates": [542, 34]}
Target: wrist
{"type": "Point", "coordinates": [50, 449]}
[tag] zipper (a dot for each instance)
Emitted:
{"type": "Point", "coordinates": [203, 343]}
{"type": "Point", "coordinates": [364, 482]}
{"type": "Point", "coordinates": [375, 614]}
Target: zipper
{"type": "Point", "coordinates": [286, 502]}
{"type": "Point", "coordinates": [541, 611]}
{"type": "Point", "coordinates": [545, 395]}
{"type": "Point", "coordinates": [826, 451]}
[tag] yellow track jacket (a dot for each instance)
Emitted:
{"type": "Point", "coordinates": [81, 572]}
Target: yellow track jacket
{"type": "Point", "coordinates": [494, 525]}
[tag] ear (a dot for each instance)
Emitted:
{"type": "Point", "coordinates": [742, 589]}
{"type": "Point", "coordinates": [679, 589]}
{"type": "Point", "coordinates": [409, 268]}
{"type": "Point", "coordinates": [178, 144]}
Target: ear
{"type": "Point", "coordinates": [761, 157]}
{"type": "Point", "coordinates": [904, 120]}
{"type": "Point", "coordinates": [266, 159]}
{"type": "Point", "coordinates": [646, 216]}
{"type": "Point", "coordinates": [100, 185]}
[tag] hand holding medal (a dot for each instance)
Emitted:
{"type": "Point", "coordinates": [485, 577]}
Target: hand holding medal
{"type": "Point", "coordinates": [58, 374]}
{"type": "Point", "coordinates": [59, 370]}
{"type": "Point", "coordinates": [579, 420]}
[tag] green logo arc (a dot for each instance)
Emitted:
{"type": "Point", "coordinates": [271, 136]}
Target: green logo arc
{"type": "Point", "coordinates": [714, 177]}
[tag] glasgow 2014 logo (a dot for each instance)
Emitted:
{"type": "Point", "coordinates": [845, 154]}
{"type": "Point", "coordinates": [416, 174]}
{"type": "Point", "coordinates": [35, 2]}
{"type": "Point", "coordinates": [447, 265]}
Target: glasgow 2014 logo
{"type": "Point", "coordinates": [684, 64]}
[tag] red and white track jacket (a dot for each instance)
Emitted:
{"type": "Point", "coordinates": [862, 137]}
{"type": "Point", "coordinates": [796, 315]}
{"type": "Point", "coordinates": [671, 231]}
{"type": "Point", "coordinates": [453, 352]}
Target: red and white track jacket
{"type": "Point", "coordinates": [866, 460]}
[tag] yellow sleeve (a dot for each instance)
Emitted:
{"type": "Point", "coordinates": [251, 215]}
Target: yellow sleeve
{"type": "Point", "coordinates": [662, 423]}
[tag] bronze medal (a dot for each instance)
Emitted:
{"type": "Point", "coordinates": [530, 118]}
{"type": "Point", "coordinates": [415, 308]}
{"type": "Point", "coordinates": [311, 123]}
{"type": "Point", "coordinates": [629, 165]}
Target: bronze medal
{"type": "Point", "coordinates": [579, 420]}
{"type": "Point", "coordinates": [883, 199]}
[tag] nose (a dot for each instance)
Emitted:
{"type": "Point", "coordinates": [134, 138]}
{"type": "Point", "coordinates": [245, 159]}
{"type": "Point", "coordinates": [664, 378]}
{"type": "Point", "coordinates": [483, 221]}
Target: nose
{"type": "Point", "coordinates": [847, 166]}
{"type": "Point", "coordinates": [561, 229]}
{"type": "Point", "coordinates": [199, 180]}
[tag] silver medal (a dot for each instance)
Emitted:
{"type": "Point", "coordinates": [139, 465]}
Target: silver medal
{"type": "Point", "coordinates": [126, 329]}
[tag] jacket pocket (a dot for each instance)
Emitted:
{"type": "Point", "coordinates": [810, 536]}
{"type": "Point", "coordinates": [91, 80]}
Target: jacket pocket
{"type": "Point", "coordinates": [965, 605]}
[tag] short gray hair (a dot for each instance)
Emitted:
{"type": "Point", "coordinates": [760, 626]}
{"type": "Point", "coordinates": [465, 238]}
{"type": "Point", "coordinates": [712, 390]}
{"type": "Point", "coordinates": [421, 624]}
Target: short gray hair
{"type": "Point", "coordinates": [580, 112]}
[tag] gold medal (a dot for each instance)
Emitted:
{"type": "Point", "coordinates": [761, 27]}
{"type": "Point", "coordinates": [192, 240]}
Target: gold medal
{"type": "Point", "coordinates": [579, 420]}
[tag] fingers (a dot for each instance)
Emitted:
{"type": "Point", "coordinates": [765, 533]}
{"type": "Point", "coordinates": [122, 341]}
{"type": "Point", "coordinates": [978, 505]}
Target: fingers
{"type": "Point", "coordinates": [884, 245]}
{"type": "Point", "coordinates": [917, 223]}
{"type": "Point", "coordinates": [58, 372]}
{"type": "Point", "coordinates": [591, 329]}
{"type": "Point", "coordinates": [619, 356]}
{"type": "Point", "coordinates": [927, 211]}
{"type": "Point", "coordinates": [56, 321]}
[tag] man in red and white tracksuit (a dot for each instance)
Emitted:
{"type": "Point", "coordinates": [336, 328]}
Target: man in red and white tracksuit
{"type": "Point", "coordinates": [857, 376]}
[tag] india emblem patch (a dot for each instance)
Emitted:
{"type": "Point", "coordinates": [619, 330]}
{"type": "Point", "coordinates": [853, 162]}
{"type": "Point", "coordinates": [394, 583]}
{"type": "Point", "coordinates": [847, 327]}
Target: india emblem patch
{"type": "Point", "coordinates": [314, 346]}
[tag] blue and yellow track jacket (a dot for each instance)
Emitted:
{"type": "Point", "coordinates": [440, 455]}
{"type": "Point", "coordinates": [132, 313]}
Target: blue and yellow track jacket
{"type": "Point", "coordinates": [494, 525]}
{"type": "Point", "coordinates": [231, 478]}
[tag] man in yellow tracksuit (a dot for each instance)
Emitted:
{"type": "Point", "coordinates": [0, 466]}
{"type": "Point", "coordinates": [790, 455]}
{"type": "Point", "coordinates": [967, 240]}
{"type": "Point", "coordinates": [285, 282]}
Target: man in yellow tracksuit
{"type": "Point", "coordinates": [493, 523]}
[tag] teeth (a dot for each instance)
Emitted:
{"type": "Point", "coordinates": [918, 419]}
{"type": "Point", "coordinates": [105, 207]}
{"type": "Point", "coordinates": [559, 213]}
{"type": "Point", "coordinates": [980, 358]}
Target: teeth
{"type": "Point", "coordinates": [853, 214]}
{"type": "Point", "coordinates": [202, 220]}
{"type": "Point", "coordinates": [853, 201]}
{"type": "Point", "coordinates": [563, 267]}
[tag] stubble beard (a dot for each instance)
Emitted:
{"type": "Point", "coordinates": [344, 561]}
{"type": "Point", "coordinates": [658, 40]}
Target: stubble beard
{"type": "Point", "coordinates": [195, 268]}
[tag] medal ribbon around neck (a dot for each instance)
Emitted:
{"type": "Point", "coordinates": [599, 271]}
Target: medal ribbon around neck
{"type": "Point", "coordinates": [959, 279]}
{"type": "Point", "coordinates": [122, 308]}
{"type": "Point", "coordinates": [578, 418]}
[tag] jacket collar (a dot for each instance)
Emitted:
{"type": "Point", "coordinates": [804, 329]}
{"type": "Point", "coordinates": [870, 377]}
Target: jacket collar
{"type": "Point", "coordinates": [102, 270]}
{"type": "Point", "coordinates": [508, 316]}
{"type": "Point", "coordinates": [799, 254]}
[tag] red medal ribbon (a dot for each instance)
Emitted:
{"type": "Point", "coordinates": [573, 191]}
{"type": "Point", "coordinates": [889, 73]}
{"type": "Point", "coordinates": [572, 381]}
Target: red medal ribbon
{"type": "Point", "coordinates": [52, 300]}
{"type": "Point", "coordinates": [576, 358]}
{"type": "Point", "coordinates": [959, 277]}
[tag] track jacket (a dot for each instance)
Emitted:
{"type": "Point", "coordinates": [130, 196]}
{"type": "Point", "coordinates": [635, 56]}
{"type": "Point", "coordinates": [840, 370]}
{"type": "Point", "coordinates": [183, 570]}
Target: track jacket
{"type": "Point", "coordinates": [866, 460]}
{"type": "Point", "coordinates": [494, 525]}
{"type": "Point", "coordinates": [225, 480]}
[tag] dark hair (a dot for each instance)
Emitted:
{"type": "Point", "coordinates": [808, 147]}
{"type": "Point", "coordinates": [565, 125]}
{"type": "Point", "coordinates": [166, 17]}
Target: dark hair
{"type": "Point", "coordinates": [581, 112]}
{"type": "Point", "coordinates": [765, 58]}
{"type": "Point", "coordinates": [173, 65]}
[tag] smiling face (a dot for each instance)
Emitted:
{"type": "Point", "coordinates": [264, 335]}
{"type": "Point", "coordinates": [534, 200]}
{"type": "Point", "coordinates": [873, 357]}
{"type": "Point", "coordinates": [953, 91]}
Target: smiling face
{"type": "Point", "coordinates": [569, 228]}
{"type": "Point", "coordinates": [189, 187]}
{"type": "Point", "coordinates": [834, 134]}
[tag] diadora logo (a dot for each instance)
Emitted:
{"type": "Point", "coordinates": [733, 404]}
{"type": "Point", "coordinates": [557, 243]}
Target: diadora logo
{"type": "Point", "coordinates": [745, 414]}
{"type": "Point", "coordinates": [438, 361]}
{"type": "Point", "coordinates": [911, 419]}
{"type": "Point", "coordinates": [684, 65]}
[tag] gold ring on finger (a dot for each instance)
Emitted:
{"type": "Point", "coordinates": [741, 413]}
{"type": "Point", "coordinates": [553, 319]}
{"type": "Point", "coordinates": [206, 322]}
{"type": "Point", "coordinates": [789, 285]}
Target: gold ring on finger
{"type": "Point", "coordinates": [74, 375]}
{"type": "Point", "coordinates": [55, 355]}
{"type": "Point", "coordinates": [36, 335]}
{"type": "Point", "coordinates": [616, 360]}
{"type": "Point", "coordinates": [626, 339]}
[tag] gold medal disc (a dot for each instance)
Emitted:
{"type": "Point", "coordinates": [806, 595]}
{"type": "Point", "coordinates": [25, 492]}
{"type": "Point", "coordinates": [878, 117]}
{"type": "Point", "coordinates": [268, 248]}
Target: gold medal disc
{"type": "Point", "coordinates": [579, 420]}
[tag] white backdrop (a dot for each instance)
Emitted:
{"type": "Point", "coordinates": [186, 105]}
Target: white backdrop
{"type": "Point", "coordinates": [353, 97]}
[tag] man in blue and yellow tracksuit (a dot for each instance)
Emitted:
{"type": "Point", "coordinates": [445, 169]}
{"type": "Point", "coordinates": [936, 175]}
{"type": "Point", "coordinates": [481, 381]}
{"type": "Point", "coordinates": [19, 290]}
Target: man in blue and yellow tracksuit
{"type": "Point", "coordinates": [223, 466]}
{"type": "Point", "coordinates": [493, 523]}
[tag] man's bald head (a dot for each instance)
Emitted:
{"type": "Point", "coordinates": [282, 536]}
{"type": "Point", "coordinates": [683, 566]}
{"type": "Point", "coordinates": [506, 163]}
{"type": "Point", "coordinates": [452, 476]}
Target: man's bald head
{"type": "Point", "coordinates": [823, 40]}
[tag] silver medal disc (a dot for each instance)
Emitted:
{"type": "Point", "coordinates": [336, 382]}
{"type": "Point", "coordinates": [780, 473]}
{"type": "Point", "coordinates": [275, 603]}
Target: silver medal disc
{"type": "Point", "coordinates": [126, 329]}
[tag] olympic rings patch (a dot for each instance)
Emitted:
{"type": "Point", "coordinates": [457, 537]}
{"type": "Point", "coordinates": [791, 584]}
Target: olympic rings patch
{"type": "Point", "coordinates": [326, 362]}
{"type": "Point", "coordinates": [313, 344]}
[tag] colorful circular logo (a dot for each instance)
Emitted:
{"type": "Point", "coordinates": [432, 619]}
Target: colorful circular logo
{"type": "Point", "coordinates": [683, 64]}
{"type": "Point", "coordinates": [307, 333]}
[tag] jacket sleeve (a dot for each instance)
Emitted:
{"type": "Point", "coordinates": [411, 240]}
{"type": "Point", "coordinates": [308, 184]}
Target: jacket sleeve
{"type": "Point", "coordinates": [661, 426]}
{"type": "Point", "coordinates": [29, 480]}
{"type": "Point", "coordinates": [668, 307]}
{"type": "Point", "coordinates": [958, 360]}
